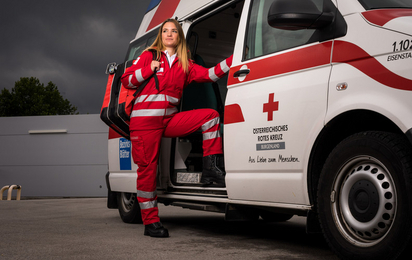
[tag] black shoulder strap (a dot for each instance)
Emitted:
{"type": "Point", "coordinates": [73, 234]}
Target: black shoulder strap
{"type": "Point", "coordinates": [154, 53]}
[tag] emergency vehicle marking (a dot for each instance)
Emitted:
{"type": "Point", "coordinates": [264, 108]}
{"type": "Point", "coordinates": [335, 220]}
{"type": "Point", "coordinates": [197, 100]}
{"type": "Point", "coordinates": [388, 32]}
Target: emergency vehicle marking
{"type": "Point", "coordinates": [305, 58]}
{"type": "Point", "coordinates": [400, 56]}
{"type": "Point", "coordinates": [113, 134]}
{"type": "Point", "coordinates": [381, 17]}
{"type": "Point", "coordinates": [279, 159]}
{"type": "Point", "coordinates": [233, 114]}
{"type": "Point", "coordinates": [271, 106]}
{"type": "Point", "coordinates": [318, 55]}
{"type": "Point", "coordinates": [270, 134]}
{"type": "Point", "coordinates": [165, 10]}
{"type": "Point", "coordinates": [404, 45]}
{"type": "Point", "coordinates": [125, 160]}
{"type": "Point", "coordinates": [346, 52]}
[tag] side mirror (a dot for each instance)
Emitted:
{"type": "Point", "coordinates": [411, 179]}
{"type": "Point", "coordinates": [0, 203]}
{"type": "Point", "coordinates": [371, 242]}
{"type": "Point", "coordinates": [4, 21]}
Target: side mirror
{"type": "Point", "coordinates": [111, 68]}
{"type": "Point", "coordinates": [297, 15]}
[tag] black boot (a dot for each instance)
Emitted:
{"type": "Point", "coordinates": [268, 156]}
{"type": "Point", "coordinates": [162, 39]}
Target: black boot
{"type": "Point", "coordinates": [211, 172]}
{"type": "Point", "coordinates": [156, 230]}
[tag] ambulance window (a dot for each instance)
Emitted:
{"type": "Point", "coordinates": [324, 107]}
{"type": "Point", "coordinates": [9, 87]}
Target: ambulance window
{"type": "Point", "coordinates": [263, 39]}
{"type": "Point", "coordinates": [137, 47]}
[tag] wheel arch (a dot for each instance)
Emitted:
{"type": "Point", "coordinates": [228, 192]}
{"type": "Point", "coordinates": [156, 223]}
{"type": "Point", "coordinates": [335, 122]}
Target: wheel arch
{"type": "Point", "coordinates": [336, 130]}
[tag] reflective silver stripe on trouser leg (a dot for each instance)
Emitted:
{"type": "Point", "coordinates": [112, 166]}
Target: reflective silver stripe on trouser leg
{"type": "Point", "coordinates": [209, 124]}
{"type": "Point", "coordinates": [146, 194]}
{"type": "Point", "coordinates": [157, 97]}
{"type": "Point", "coordinates": [211, 135]}
{"type": "Point", "coordinates": [153, 112]}
{"type": "Point", "coordinates": [148, 204]}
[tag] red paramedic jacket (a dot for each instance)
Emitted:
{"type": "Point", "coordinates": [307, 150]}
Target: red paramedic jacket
{"type": "Point", "coordinates": [152, 105]}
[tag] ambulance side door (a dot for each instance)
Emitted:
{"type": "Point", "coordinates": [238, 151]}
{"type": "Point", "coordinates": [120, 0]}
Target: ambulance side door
{"type": "Point", "coordinates": [275, 107]}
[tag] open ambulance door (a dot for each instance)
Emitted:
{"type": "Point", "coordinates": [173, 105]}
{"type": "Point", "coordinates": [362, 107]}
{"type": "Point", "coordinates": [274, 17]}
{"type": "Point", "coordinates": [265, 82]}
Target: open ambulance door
{"type": "Point", "coordinates": [211, 39]}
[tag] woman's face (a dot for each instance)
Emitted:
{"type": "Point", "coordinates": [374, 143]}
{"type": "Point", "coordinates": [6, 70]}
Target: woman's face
{"type": "Point", "coordinates": [170, 35]}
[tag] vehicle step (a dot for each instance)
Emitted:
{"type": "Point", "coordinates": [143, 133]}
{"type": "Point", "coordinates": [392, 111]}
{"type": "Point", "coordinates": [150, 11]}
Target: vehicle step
{"type": "Point", "coordinates": [197, 206]}
{"type": "Point", "coordinates": [188, 177]}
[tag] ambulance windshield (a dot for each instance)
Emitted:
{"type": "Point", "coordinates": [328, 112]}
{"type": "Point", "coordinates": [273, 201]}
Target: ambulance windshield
{"type": "Point", "coordinates": [138, 46]}
{"type": "Point", "coordinates": [382, 4]}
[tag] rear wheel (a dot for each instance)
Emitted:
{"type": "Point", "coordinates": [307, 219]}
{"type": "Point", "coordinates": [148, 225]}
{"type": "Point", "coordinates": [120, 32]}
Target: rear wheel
{"type": "Point", "coordinates": [129, 209]}
{"type": "Point", "coordinates": [364, 196]}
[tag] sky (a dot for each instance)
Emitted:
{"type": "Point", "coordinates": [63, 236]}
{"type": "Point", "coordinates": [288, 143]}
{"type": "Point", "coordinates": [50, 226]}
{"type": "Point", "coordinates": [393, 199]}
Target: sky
{"type": "Point", "coordinates": [68, 43]}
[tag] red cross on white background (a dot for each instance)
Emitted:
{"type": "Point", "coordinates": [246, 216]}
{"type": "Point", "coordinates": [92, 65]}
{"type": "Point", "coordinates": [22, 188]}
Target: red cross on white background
{"type": "Point", "coordinates": [271, 106]}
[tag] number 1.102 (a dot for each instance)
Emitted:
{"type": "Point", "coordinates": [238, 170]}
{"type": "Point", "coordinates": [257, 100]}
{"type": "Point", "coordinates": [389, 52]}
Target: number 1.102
{"type": "Point", "coordinates": [402, 45]}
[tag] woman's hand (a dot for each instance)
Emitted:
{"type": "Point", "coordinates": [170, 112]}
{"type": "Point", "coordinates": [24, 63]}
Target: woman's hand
{"type": "Point", "coordinates": [155, 65]}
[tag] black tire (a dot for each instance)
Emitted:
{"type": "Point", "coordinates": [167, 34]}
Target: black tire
{"type": "Point", "coordinates": [129, 209]}
{"type": "Point", "coordinates": [364, 196]}
{"type": "Point", "coordinates": [275, 217]}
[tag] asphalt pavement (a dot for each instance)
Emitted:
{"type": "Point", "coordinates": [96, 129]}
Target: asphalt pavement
{"type": "Point", "coordinates": [84, 228]}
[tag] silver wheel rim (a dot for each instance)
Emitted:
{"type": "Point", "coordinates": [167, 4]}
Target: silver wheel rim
{"type": "Point", "coordinates": [128, 201]}
{"type": "Point", "coordinates": [364, 201]}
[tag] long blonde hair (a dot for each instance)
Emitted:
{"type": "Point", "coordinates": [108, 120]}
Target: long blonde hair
{"type": "Point", "coordinates": [181, 48]}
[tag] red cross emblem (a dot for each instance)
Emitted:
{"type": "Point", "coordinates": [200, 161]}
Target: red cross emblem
{"type": "Point", "coordinates": [271, 106]}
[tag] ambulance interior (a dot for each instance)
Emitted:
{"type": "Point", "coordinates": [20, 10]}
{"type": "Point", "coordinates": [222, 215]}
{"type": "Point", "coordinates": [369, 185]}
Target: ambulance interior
{"type": "Point", "coordinates": [211, 39]}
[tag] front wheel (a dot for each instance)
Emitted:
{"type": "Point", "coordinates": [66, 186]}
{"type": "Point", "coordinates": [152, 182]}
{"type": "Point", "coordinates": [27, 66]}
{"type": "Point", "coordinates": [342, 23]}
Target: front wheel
{"type": "Point", "coordinates": [364, 196]}
{"type": "Point", "coordinates": [129, 209]}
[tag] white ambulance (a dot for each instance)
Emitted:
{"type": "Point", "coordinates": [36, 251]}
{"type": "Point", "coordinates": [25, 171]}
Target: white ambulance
{"type": "Point", "coordinates": [316, 118]}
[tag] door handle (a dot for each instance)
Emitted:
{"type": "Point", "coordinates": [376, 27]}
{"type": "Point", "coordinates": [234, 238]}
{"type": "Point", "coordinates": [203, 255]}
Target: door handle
{"type": "Point", "coordinates": [240, 72]}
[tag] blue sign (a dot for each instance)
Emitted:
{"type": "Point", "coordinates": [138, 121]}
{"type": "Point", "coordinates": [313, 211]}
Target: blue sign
{"type": "Point", "coordinates": [125, 155]}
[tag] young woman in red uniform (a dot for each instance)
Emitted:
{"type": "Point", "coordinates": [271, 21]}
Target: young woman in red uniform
{"type": "Point", "coordinates": [155, 115]}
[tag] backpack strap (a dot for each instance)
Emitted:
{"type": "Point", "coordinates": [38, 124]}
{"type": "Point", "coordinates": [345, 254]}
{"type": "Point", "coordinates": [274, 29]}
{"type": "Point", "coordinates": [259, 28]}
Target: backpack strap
{"type": "Point", "coordinates": [154, 53]}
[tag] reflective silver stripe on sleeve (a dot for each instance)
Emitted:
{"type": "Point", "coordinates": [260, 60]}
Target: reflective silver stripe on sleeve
{"type": "Point", "coordinates": [154, 98]}
{"type": "Point", "coordinates": [130, 82]}
{"type": "Point", "coordinates": [148, 204]}
{"type": "Point", "coordinates": [140, 99]}
{"type": "Point", "coordinates": [212, 74]}
{"type": "Point", "coordinates": [138, 74]}
{"type": "Point", "coordinates": [171, 111]}
{"type": "Point", "coordinates": [210, 124]}
{"type": "Point", "coordinates": [148, 112]}
{"type": "Point", "coordinates": [150, 98]}
{"type": "Point", "coordinates": [224, 67]}
{"type": "Point", "coordinates": [173, 100]}
{"type": "Point", "coordinates": [211, 135]}
{"type": "Point", "coordinates": [146, 194]}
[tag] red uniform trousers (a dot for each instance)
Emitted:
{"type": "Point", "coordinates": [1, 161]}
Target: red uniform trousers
{"type": "Point", "coordinates": [146, 146]}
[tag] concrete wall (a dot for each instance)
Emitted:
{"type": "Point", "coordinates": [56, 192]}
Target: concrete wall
{"type": "Point", "coordinates": [63, 156]}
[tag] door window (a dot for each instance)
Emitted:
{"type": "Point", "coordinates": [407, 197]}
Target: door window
{"type": "Point", "coordinates": [263, 39]}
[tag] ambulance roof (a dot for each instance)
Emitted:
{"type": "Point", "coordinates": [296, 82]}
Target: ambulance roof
{"type": "Point", "coordinates": [160, 10]}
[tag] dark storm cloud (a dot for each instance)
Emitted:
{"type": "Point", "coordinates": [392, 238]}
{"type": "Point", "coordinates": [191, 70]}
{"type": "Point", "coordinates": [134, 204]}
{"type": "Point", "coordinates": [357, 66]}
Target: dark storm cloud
{"type": "Point", "coordinates": [68, 43]}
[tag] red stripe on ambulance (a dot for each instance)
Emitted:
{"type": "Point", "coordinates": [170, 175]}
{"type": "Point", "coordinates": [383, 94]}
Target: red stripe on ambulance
{"type": "Point", "coordinates": [165, 10]}
{"type": "Point", "coordinates": [318, 55]}
{"type": "Point", "coordinates": [382, 16]}
{"type": "Point", "coordinates": [233, 114]}
{"type": "Point", "coordinates": [346, 52]}
{"type": "Point", "coordinates": [113, 134]}
{"type": "Point", "coordinates": [309, 57]}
